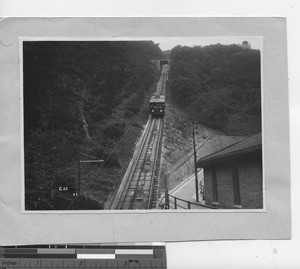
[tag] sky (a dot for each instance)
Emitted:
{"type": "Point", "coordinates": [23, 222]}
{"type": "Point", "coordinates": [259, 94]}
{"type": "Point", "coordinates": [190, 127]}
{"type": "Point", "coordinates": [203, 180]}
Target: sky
{"type": "Point", "coordinates": [167, 43]}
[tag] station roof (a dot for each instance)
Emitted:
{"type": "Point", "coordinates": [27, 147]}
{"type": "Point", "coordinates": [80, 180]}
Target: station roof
{"type": "Point", "coordinates": [247, 146]}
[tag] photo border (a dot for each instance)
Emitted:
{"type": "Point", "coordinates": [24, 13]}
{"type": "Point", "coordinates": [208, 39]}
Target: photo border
{"type": "Point", "coordinates": [134, 211]}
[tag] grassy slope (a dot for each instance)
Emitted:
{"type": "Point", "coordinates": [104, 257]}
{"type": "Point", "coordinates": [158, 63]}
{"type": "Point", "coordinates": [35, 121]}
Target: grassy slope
{"type": "Point", "coordinates": [113, 176]}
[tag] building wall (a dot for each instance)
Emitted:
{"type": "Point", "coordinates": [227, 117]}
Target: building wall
{"type": "Point", "coordinates": [225, 186]}
{"type": "Point", "coordinates": [251, 187]}
{"type": "Point", "coordinates": [208, 186]}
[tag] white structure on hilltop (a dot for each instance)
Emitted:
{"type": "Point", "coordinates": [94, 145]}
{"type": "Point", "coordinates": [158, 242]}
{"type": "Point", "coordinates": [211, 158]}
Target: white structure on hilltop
{"type": "Point", "coordinates": [245, 45]}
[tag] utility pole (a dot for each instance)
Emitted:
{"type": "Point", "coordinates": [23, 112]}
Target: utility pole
{"type": "Point", "coordinates": [195, 160]}
{"type": "Point", "coordinates": [95, 160]}
{"type": "Point", "coordinates": [79, 172]}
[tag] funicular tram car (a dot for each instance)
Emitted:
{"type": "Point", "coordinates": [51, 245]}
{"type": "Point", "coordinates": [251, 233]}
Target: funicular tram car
{"type": "Point", "coordinates": [157, 105]}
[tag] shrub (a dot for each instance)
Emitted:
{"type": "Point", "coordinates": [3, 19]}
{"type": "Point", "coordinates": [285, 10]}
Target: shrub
{"type": "Point", "coordinates": [128, 114]}
{"type": "Point", "coordinates": [133, 108]}
{"type": "Point", "coordinates": [114, 131]}
{"type": "Point", "coordinates": [113, 161]}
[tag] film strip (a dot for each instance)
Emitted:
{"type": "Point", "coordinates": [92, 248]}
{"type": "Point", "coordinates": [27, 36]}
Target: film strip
{"type": "Point", "coordinates": [137, 255]}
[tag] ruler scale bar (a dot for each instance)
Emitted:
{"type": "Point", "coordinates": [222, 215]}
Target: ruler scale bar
{"type": "Point", "coordinates": [5, 263]}
{"type": "Point", "coordinates": [40, 256]}
{"type": "Point", "coordinates": [141, 246]}
{"type": "Point", "coordinates": [96, 256]}
{"type": "Point", "coordinates": [133, 255]}
{"type": "Point", "coordinates": [20, 250]}
{"type": "Point", "coordinates": [56, 251]}
{"type": "Point", "coordinates": [138, 257]}
{"type": "Point", "coordinates": [95, 251]}
{"type": "Point", "coordinates": [134, 251]}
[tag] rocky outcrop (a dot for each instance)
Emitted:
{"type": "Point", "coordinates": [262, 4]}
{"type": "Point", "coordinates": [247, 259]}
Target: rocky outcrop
{"type": "Point", "coordinates": [177, 153]}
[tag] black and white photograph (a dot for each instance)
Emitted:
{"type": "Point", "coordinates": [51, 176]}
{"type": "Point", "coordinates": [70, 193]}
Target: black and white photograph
{"type": "Point", "coordinates": [158, 123]}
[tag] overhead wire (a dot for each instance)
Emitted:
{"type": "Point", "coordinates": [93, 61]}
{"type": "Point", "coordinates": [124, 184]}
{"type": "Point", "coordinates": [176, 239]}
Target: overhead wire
{"type": "Point", "coordinates": [113, 148]}
{"type": "Point", "coordinates": [107, 158]}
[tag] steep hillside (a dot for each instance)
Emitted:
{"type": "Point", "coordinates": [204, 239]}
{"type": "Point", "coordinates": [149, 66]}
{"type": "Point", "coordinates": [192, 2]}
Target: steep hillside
{"type": "Point", "coordinates": [82, 100]}
{"type": "Point", "coordinates": [219, 86]}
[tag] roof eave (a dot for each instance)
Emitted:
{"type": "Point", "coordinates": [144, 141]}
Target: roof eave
{"type": "Point", "coordinates": [224, 159]}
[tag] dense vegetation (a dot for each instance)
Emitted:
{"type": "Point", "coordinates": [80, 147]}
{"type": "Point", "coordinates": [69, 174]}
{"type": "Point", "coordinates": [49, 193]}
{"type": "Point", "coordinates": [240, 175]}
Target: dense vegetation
{"type": "Point", "coordinates": [219, 86]}
{"type": "Point", "coordinates": [71, 91]}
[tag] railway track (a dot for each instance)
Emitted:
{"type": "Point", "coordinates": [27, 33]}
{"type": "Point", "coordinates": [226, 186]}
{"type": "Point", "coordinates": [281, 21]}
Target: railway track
{"type": "Point", "coordinates": [139, 188]}
{"type": "Point", "coordinates": [161, 85]}
{"type": "Point", "coordinates": [139, 193]}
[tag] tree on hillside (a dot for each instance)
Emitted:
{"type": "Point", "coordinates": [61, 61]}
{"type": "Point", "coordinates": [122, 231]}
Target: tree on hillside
{"type": "Point", "coordinates": [214, 81]}
{"type": "Point", "coordinates": [70, 89]}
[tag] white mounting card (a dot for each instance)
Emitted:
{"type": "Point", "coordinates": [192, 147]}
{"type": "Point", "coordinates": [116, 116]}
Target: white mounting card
{"type": "Point", "coordinates": [20, 227]}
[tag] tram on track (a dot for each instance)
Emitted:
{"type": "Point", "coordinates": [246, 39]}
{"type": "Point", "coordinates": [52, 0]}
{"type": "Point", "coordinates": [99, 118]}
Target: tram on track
{"type": "Point", "coordinates": [157, 105]}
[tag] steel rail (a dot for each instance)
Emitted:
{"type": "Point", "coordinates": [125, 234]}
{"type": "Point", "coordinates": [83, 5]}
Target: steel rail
{"type": "Point", "coordinates": [128, 177]}
{"type": "Point", "coordinates": [141, 163]}
{"type": "Point", "coordinates": [154, 169]}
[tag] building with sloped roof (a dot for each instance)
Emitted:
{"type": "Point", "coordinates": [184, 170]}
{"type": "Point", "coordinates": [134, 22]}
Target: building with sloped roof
{"type": "Point", "coordinates": [233, 175]}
